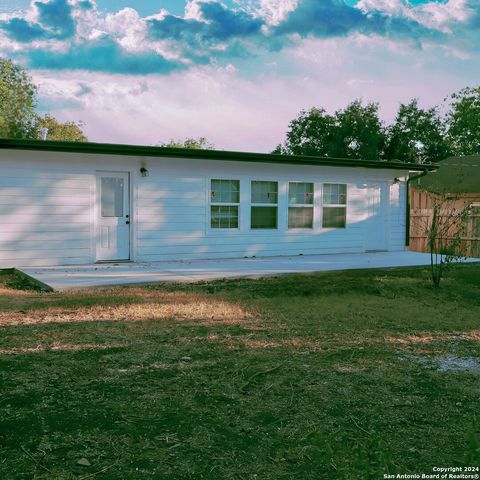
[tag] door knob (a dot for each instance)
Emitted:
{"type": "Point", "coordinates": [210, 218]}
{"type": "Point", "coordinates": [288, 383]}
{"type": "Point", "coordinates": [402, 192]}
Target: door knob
{"type": "Point", "coordinates": [128, 222]}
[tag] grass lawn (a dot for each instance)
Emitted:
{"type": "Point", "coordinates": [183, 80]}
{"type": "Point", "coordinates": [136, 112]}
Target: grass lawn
{"type": "Point", "coordinates": [339, 375]}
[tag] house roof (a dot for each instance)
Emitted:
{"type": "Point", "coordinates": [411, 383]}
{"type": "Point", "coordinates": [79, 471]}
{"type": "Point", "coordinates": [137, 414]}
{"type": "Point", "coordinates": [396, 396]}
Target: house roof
{"type": "Point", "coordinates": [455, 175]}
{"type": "Point", "coordinates": [148, 151]}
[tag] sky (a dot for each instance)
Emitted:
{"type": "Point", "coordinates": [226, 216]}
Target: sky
{"type": "Point", "coordinates": [235, 71]}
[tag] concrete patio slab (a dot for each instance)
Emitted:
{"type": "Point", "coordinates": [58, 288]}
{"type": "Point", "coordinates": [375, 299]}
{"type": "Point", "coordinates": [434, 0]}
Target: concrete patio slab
{"type": "Point", "coordinates": [101, 275]}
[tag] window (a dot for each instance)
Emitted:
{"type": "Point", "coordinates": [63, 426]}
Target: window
{"type": "Point", "coordinates": [264, 207]}
{"type": "Point", "coordinates": [334, 205]}
{"type": "Point", "coordinates": [300, 205]}
{"type": "Point", "coordinates": [112, 191]}
{"type": "Point", "coordinates": [224, 202]}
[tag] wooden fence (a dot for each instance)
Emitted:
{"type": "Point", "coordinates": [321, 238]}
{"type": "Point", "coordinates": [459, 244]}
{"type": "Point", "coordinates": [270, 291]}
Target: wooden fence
{"type": "Point", "coordinates": [421, 213]}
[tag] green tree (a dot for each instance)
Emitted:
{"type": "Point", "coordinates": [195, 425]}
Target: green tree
{"type": "Point", "coordinates": [311, 133]}
{"type": "Point", "coordinates": [67, 132]}
{"type": "Point", "coordinates": [359, 132]}
{"type": "Point", "coordinates": [18, 116]}
{"type": "Point", "coordinates": [464, 121]}
{"type": "Point", "coordinates": [17, 101]}
{"type": "Point", "coordinates": [200, 143]}
{"type": "Point", "coordinates": [417, 135]}
{"type": "Point", "coordinates": [354, 132]}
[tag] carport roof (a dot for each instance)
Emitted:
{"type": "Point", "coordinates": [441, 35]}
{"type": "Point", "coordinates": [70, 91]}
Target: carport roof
{"type": "Point", "coordinates": [149, 151]}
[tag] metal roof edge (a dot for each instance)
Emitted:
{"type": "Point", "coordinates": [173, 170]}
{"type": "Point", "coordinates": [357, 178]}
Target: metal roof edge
{"type": "Point", "coordinates": [153, 151]}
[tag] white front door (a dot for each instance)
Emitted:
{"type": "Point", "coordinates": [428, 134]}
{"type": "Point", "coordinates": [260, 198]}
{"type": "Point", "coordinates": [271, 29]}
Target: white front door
{"type": "Point", "coordinates": [376, 223]}
{"type": "Point", "coordinates": [113, 216]}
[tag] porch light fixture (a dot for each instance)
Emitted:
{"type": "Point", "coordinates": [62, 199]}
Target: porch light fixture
{"type": "Point", "coordinates": [143, 170]}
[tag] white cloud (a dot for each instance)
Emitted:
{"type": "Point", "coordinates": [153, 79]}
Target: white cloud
{"type": "Point", "coordinates": [445, 15]}
{"type": "Point", "coordinates": [389, 7]}
{"type": "Point", "coordinates": [192, 9]}
{"type": "Point", "coordinates": [434, 15]}
{"type": "Point", "coordinates": [252, 114]}
{"type": "Point", "coordinates": [127, 28]}
{"type": "Point", "coordinates": [89, 23]}
{"type": "Point", "coordinates": [274, 11]}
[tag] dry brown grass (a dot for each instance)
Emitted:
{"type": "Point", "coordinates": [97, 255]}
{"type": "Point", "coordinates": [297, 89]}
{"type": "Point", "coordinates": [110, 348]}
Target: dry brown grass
{"type": "Point", "coordinates": [207, 312]}
{"type": "Point", "coordinates": [429, 338]}
{"type": "Point", "coordinates": [181, 306]}
{"type": "Point", "coordinates": [251, 340]}
{"type": "Point", "coordinates": [8, 292]}
{"type": "Point", "coordinates": [58, 347]}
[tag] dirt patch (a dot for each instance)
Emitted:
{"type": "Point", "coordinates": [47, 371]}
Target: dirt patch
{"type": "Point", "coordinates": [451, 363]}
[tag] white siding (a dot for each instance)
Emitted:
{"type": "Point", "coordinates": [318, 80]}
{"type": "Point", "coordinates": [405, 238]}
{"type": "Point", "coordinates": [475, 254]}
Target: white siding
{"type": "Point", "coordinates": [172, 208]}
{"type": "Point", "coordinates": [47, 203]}
{"type": "Point", "coordinates": [44, 213]}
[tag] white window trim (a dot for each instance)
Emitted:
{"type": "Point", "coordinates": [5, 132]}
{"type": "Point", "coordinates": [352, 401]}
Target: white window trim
{"type": "Point", "coordinates": [301, 205]}
{"type": "Point", "coordinates": [222, 204]}
{"type": "Point", "coordinates": [251, 204]}
{"type": "Point", "coordinates": [331, 205]}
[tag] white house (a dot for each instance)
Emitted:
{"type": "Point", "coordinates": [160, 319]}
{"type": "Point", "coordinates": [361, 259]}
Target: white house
{"type": "Point", "coordinates": [79, 203]}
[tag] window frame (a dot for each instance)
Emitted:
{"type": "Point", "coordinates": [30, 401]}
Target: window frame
{"type": "Point", "coordinates": [334, 205]}
{"type": "Point", "coordinates": [223, 204]}
{"type": "Point", "coordinates": [301, 205]}
{"type": "Point", "coordinates": [275, 205]}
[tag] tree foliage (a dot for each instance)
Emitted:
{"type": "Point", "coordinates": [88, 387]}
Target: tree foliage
{"type": "Point", "coordinates": [68, 131]}
{"type": "Point", "coordinates": [354, 132]}
{"type": "Point", "coordinates": [18, 115]}
{"type": "Point", "coordinates": [358, 132]}
{"type": "Point", "coordinates": [309, 134]}
{"type": "Point", "coordinates": [417, 135]}
{"type": "Point", "coordinates": [200, 143]}
{"type": "Point", "coordinates": [464, 121]}
{"type": "Point", "coordinates": [17, 101]}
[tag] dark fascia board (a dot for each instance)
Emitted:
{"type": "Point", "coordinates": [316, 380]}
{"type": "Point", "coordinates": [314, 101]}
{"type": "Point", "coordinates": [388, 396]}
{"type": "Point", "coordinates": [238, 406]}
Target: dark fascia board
{"type": "Point", "coordinates": [149, 151]}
